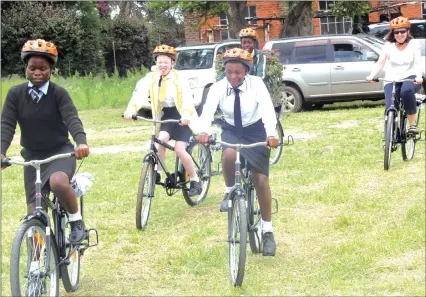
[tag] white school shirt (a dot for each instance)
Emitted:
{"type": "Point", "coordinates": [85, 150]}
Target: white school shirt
{"type": "Point", "coordinates": [255, 104]}
{"type": "Point", "coordinates": [401, 64]}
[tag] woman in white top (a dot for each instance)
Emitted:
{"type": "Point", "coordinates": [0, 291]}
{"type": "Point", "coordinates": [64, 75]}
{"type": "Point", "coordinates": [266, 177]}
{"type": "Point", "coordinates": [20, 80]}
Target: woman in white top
{"type": "Point", "coordinates": [249, 117]}
{"type": "Point", "coordinates": [403, 55]}
{"type": "Point", "coordinates": [170, 98]}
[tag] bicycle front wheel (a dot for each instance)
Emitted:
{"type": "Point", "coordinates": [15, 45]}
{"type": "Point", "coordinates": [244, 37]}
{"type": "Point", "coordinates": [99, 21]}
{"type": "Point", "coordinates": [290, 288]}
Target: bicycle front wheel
{"type": "Point", "coordinates": [276, 151]}
{"type": "Point", "coordinates": [255, 221]}
{"type": "Point", "coordinates": [70, 270]}
{"type": "Point", "coordinates": [202, 162]}
{"type": "Point", "coordinates": [30, 274]}
{"type": "Point", "coordinates": [237, 237]}
{"type": "Point", "coordinates": [145, 194]}
{"type": "Point", "coordinates": [408, 146]}
{"type": "Point", "coordinates": [389, 130]}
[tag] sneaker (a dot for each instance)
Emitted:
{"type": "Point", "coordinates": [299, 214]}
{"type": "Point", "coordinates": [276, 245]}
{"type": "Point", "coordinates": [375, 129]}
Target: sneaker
{"type": "Point", "coordinates": [195, 188]}
{"type": "Point", "coordinates": [413, 129]}
{"type": "Point", "coordinates": [269, 245]}
{"type": "Point", "coordinates": [78, 232]}
{"type": "Point", "coordinates": [224, 204]}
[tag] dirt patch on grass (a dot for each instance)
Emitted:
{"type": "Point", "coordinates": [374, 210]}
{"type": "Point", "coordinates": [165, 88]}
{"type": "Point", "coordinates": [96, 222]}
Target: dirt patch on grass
{"type": "Point", "coordinates": [298, 136]}
{"type": "Point", "coordinates": [346, 124]}
{"type": "Point", "coordinates": [115, 149]}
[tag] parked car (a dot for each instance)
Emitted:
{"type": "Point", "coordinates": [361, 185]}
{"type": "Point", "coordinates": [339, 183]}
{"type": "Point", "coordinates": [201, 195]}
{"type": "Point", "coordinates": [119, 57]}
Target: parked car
{"type": "Point", "coordinates": [197, 64]}
{"type": "Point", "coordinates": [323, 69]}
{"type": "Point", "coordinates": [417, 29]}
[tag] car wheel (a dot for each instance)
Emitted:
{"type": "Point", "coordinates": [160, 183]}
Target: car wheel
{"type": "Point", "coordinates": [292, 100]}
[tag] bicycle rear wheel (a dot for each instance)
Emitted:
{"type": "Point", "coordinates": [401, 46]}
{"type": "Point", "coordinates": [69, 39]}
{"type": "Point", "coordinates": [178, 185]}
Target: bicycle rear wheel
{"type": "Point", "coordinates": [70, 269]}
{"type": "Point", "coordinates": [237, 238]}
{"type": "Point", "coordinates": [255, 221]}
{"type": "Point", "coordinates": [389, 130]}
{"type": "Point", "coordinates": [408, 146]}
{"type": "Point", "coordinates": [202, 160]}
{"type": "Point", "coordinates": [29, 274]}
{"type": "Point", "coordinates": [276, 152]}
{"type": "Point", "coordinates": [145, 194]}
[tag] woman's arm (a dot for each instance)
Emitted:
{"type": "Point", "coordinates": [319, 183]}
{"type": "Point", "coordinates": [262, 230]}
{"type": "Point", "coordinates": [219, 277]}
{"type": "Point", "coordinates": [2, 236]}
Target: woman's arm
{"type": "Point", "coordinates": [139, 96]}
{"type": "Point", "coordinates": [380, 63]}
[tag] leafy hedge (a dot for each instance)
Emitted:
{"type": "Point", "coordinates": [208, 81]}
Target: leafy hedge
{"type": "Point", "coordinates": [273, 75]}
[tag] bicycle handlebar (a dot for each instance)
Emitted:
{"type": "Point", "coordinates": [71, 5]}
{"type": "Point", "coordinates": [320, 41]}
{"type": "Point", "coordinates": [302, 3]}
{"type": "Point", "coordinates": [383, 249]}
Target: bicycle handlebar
{"type": "Point", "coordinates": [136, 117]}
{"type": "Point", "coordinates": [8, 162]}
{"type": "Point", "coordinates": [237, 145]}
{"type": "Point", "coordinates": [377, 79]}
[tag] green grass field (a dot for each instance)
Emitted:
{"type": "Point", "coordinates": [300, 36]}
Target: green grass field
{"type": "Point", "coordinates": [345, 227]}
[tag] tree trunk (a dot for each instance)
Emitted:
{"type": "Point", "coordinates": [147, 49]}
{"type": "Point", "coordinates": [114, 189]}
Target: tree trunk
{"type": "Point", "coordinates": [299, 19]}
{"type": "Point", "coordinates": [236, 20]}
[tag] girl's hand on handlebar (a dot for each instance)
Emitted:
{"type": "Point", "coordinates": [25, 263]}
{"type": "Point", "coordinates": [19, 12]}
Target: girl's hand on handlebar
{"type": "Point", "coordinates": [418, 80]}
{"type": "Point", "coordinates": [272, 141]}
{"type": "Point", "coordinates": [184, 122]}
{"type": "Point", "coordinates": [203, 138]}
{"type": "Point", "coordinates": [127, 115]}
{"type": "Point", "coordinates": [81, 151]}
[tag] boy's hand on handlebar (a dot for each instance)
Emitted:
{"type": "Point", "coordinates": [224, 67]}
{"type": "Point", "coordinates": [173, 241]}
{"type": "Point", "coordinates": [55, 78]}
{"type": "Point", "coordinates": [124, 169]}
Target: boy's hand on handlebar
{"type": "Point", "coordinates": [272, 141]}
{"type": "Point", "coordinates": [81, 151]}
{"type": "Point", "coordinates": [203, 138]}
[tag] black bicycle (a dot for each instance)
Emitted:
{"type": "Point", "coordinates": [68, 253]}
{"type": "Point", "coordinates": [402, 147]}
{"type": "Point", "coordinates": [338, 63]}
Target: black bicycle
{"type": "Point", "coordinates": [174, 181]}
{"type": "Point", "coordinates": [397, 133]}
{"type": "Point", "coordinates": [38, 251]}
{"type": "Point", "coordinates": [244, 217]}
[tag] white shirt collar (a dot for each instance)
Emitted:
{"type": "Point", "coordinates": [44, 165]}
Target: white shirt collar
{"type": "Point", "coordinates": [42, 89]}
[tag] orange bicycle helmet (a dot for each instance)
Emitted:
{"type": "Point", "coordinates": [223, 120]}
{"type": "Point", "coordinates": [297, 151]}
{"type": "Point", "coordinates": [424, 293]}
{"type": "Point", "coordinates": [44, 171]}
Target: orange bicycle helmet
{"type": "Point", "coordinates": [239, 55]}
{"type": "Point", "coordinates": [249, 32]}
{"type": "Point", "coordinates": [400, 22]}
{"type": "Point", "coordinates": [166, 50]}
{"type": "Point", "coordinates": [39, 47]}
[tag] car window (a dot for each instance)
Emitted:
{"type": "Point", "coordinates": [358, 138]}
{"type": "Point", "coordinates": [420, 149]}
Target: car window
{"type": "Point", "coordinates": [418, 30]}
{"type": "Point", "coordinates": [350, 51]}
{"type": "Point", "coordinates": [194, 59]}
{"type": "Point", "coordinates": [285, 50]}
{"type": "Point", "coordinates": [225, 47]}
{"type": "Point", "coordinates": [310, 52]}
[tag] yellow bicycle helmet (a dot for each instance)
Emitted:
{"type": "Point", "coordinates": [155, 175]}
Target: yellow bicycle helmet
{"type": "Point", "coordinates": [39, 47]}
{"type": "Point", "coordinates": [400, 22]}
{"type": "Point", "coordinates": [249, 32]}
{"type": "Point", "coordinates": [165, 50]}
{"type": "Point", "coordinates": [239, 55]}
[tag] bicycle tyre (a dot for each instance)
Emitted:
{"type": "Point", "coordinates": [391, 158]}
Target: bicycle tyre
{"type": "Point", "coordinates": [202, 160]}
{"type": "Point", "coordinates": [145, 194]}
{"type": "Point", "coordinates": [70, 271]}
{"type": "Point", "coordinates": [30, 283]}
{"type": "Point", "coordinates": [408, 147]}
{"type": "Point", "coordinates": [237, 225]}
{"type": "Point", "coordinates": [276, 152]}
{"type": "Point", "coordinates": [255, 221]}
{"type": "Point", "coordinates": [389, 130]}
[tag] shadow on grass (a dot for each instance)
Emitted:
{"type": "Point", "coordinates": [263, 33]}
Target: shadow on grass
{"type": "Point", "coordinates": [353, 105]}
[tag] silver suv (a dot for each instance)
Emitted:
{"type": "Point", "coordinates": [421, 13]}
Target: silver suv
{"type": "Point", "coordinates": [328, 68]}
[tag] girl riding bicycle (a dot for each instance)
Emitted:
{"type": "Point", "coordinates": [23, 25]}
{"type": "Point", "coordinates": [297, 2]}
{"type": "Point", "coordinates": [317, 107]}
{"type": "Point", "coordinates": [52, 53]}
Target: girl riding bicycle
{"type": "Point", "coordinates": [249, 117]}
{"type": "Point", "coordinates": [45, 114]}
{"type": "Point", "coordinates": [170, 99]}
{"type": "Point", "coordinates": [403, 55]}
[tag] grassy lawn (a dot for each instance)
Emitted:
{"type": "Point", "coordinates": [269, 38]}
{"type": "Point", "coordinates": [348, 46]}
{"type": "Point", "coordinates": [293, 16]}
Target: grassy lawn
{"type": "Point", "coordinates": [345, 227]}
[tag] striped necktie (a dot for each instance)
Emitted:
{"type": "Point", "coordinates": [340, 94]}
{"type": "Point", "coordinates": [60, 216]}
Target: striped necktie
{"type": "Point", "coordinates": [35, 94]}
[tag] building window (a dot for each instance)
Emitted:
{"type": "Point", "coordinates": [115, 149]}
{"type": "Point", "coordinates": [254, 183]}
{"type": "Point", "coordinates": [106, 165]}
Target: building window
{"type": "Point", "coordinates": [249, 12]}
{"type": "Point", "coordinates": [424, 8]}
{"type": "Point", "coordinates": [333, 25]}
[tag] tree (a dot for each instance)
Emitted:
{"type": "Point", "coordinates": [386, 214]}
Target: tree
{"type": "Point", "coordinates": [299, 19]}
{"type": "Point", "coordinates": [236, 20]}
{"type": "Point", "coordinates": [353, 9]}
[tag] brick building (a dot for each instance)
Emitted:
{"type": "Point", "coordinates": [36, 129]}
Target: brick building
{"type": "Point", "coordinates": [271, 14]}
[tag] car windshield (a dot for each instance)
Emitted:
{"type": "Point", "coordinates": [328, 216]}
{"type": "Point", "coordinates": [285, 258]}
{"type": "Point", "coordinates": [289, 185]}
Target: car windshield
{"type": "Point", "coordinates": [194, 59]}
